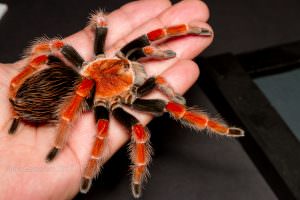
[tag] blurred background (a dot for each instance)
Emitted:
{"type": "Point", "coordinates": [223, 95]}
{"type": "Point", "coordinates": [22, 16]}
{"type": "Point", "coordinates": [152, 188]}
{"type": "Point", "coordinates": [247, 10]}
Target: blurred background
{"type": "Point", "coordinates": [185, 165]}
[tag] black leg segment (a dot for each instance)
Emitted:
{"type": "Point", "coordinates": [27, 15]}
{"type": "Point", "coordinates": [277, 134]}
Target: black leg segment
{"type": "Point", "coordinates": [147, 87]}
{"type": "Point", "coordinates": [155, 106]}
{"type": "Point", "coordinates": [54, 60]}
{"type": "Point", "coordinates": [90, 99]}
{"type": "Point", "coordinates": [139, 42]}
{"type": "Point", "coordinates": [14, 126]}
{"type": "Point", "coordinates": [101, 112]}
{"type": "Point", "coordinates": [72, 55]}
{"type": "Point", "coordinates": [136, 54]}
{"type": "Point", "coordinates": [51, 155]}
{"type": "Point", "coordinates": [124, 118]}
{"type": "Point", "coordinates": [100, 36]}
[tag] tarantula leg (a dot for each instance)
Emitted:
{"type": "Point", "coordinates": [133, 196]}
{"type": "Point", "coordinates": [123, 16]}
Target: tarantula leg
{"type": "Point", "coordinates": [40, 54]}
{"type": "Point", "coordinates": [199, 120]}
{"type": "Point", "coordinates": [98, 21]}
{"type": "Point", "coordinates": [140, 149]}
{"type": "Point", "coordinates": [188, 116]}
{"type": "Point", "coordinates": [47, 47]}
{"type": "Point", "coordinates": [150, 52]}
{"type": "Point", "coordinates": [164, 33]}
{"type": "Point", "coordinates": [161, 84]}
{"type": "Point", "coordinates": [98, 151]}
{"type": "Point", "coordinates": [67, 116]}
{"type": "Point", "coordinates": [32, 66]}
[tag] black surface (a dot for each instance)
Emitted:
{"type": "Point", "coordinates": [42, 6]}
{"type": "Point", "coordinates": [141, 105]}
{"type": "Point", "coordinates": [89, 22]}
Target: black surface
{"type": "Point", "coordinates": [185, 165]}
{"type": "Point", "coordinates": [279, 149]}
{"type": "Point", "coordinates": [271, 60]}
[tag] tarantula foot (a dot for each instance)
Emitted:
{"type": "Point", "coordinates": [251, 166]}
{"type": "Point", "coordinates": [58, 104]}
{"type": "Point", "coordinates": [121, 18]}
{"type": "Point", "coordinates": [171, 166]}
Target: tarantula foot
{"type": "Point", "coordinates": [201, 31]}
{"type": "Point", "coordinates": [85, 185]}
{"type": "Point", "coordinates": [14, 126]}
{"type": "Point", "coordinates": [51, 155]}
{"type": "Point", "coordinates": [169, 54]}
{"type": "Point", "coordinates": [236, 132]}
{"type": "Point", "coordinates": [136, 190]}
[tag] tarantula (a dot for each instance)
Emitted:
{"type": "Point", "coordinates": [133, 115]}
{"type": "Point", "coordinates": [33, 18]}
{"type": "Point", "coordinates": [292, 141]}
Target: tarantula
{"type": "Point", "coordinates": [57, 84]}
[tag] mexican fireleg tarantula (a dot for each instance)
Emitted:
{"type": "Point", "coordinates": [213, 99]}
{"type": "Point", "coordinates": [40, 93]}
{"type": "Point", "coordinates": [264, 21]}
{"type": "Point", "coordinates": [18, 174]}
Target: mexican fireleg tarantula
{"type": "Point", "coordinates": [49, 91]}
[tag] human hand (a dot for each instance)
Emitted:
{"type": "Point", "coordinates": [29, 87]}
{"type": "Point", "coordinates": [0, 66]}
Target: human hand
{"type": "Point", "coordinates": [24, 172]}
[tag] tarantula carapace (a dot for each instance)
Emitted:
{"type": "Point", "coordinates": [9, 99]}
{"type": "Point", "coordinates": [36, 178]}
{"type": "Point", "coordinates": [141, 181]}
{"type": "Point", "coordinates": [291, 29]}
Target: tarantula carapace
{"type": "Point", "coordinates": [57, 84]}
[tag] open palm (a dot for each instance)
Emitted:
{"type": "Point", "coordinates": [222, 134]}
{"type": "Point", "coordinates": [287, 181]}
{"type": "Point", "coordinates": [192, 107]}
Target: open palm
{"type": "Point", "coordinates": [24, 172]}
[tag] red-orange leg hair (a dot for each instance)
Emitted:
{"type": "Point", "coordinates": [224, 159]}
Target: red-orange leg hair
{"type": "Point", "coordinates": [68, 115]}
{"type": "Point", "coordinates": [140, 149]}
{"type": "Point", "coordinates": [199, 120]}
{"type": "Point", "coordinates": [99, 149]}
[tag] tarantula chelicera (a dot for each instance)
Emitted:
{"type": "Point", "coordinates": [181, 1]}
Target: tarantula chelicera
{"type": "Point", "coordinates": [57, 84]}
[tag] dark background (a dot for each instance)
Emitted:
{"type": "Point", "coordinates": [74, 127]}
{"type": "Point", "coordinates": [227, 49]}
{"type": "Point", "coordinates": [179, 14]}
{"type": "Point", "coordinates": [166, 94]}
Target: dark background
{"type": "Point", "coordinates": [186, 165]}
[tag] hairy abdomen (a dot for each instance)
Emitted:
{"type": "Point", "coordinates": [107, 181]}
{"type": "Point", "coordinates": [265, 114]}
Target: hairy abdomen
{"type": "Point", "coordinates": [40, 97]}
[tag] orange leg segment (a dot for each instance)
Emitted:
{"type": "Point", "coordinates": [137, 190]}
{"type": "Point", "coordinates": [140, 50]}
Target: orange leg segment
{"type": "Point", "coordinates": [140, 157]}
{"type": "Point", "coordinates": [200, 120]}
{"type": "Point", "coordinates": [177, 30]}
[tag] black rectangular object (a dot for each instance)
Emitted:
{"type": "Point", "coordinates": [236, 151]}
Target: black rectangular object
{"type": "Point", "coordinates": [269, 142]}
{"type": "Point", "coordinates": [271, 60]}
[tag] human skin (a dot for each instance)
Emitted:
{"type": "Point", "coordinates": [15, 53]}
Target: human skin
{"type": "Point", "coordinates": [24, 172]}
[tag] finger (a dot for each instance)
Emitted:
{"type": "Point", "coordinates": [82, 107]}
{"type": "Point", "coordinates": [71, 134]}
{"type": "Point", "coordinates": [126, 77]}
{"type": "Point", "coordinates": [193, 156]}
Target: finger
{"type": "Point", "coordinates": [181, 12]}
{"type": "Point", "coordinates": [187, 47]}
{"type": "Point", "coordinates": [83, 138]}
{"type": "Point", "coordinates": [120, 23]}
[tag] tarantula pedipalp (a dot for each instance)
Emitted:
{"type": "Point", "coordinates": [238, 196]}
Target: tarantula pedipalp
{"type": "Point", "coordinates": [48, 90]}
